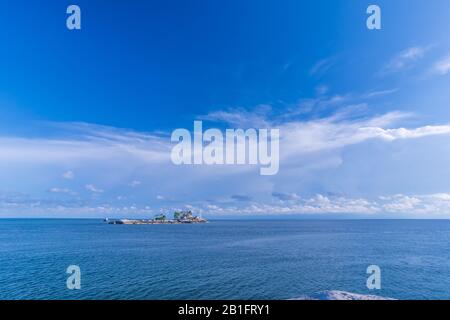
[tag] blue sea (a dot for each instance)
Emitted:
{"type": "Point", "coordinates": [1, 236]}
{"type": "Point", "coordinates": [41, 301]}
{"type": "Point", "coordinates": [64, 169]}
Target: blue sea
{"type": "Point", "coordinates": [223, 259]}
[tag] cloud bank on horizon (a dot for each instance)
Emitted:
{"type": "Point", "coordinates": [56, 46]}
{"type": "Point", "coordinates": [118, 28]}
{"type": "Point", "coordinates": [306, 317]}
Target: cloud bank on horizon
{"type": "Point", "coordinates": [357, 139]}
{"type": "Point", "coordinates": [95, 170]}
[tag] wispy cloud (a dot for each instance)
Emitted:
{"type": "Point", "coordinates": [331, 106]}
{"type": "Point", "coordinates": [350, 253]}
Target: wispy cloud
{"type": "Point", "coordinates": [240, 197]}
{"type": "Point", "coordinates": [60, 190]}
{"type": "Point", "coordinates": [326, 134]}
{"type": "Point", "coordinates": [333, 103]}
{"type": "Point", "coordinates": [241, 118]}
{"type": "Point", "coordinates": [94, 189]}
{"type": "Point", "coordinates": [69, 175]}
{"type": "Point", "coordinates": [75, 142]}
{"type": "Point", "coordinates": [322, 89]}
{"type": "Point", "coordinates": [135, 183]}
{"type": "Point", "coordinates": [404, 60]}
{"type": "Point", "coordinates": [379, 93]}
{"type": "Point", "coordinates": [322, 66]}
{"type": "Point", "coordinates": [442, 67]}
{"type": "Point", "coordinates": [285, 196]}
{"type": "Point", "coordinates": [307, 146]}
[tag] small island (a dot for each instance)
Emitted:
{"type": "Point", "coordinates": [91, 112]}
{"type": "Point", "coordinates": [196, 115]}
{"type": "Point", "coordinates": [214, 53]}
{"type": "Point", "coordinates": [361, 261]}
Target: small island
{"type": "Point", "coordinates": [179, 217]}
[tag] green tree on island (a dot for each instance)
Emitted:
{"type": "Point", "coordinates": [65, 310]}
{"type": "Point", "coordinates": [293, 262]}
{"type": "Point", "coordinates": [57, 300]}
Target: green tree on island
{"type": "Point", "coordinates": [176, 215]}
{"type": "Point", "coordinates": [161, 217]}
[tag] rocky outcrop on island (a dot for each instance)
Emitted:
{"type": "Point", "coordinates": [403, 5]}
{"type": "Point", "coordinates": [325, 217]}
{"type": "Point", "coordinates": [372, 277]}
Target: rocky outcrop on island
{"type": "Point", "coordinates": [179, 217]}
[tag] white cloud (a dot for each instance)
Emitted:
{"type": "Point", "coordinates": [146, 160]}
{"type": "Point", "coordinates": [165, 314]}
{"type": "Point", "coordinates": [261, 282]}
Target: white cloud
{"type": "Point", "coordinates": [59, 190]}
{"type": "Point", "coordinates": [321, 90]}
{"type": "Point", "coordinates": [240, 197]}
{"type": "Point", "coordinates": [405, 59]}
{"type": "Point", "coordinates": [135, 183]}
{"type": "Point", "coordinates": [322, 66]}
{"type": "Point", "coordinates": [69, 175]}
{"type": "Point", "coordinates": [432, 206]}
{"type": "Point", "coordinates": [326, 134]}
{"type": "Point", "coordinates": [379, 93]}
{"type": "Point", "coordinates": [297, 137]}
{"type": "Point", "coordinates": [440, 196]}
{"type": "Point", "coordinates": [442, 67]}
{"type": "Point", "coordinates": [94, 189]}
{"type": "Point", "coordinates": [421, 206]}
{"type": "Point", "coordinates": [402, 133]}
{"type": "Point", "coordinates": [51, 210]}
{"type": "Point", "coordinates": [77, 142]}
{"type": "Point", "coordinates": [240, 118]}
{"type": "Point", "coordinates": [285, 196]}
{"type": "Point", "coordinates": [401, 203]}
{"type": "Point", "coordinates": [308, 147]}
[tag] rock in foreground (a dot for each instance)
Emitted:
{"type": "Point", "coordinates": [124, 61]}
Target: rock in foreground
{"type": "Point", "coordinates": [341, 295]}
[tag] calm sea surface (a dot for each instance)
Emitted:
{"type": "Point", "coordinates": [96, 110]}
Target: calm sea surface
{"type": "Point", "coordinates": [223, 259]}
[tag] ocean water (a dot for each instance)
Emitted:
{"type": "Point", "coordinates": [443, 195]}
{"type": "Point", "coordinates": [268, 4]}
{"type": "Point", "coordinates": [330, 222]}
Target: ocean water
{"type": "Point", "coordinates": [223, 259]}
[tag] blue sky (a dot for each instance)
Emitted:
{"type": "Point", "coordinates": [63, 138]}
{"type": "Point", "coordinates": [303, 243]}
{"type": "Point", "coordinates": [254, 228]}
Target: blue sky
{"type": "Point", "coordinates": [86, 116]}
